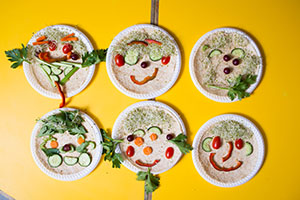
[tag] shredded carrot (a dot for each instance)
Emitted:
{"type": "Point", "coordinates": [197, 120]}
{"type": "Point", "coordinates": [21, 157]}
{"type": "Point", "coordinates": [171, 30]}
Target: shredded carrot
{"type": "Point", "coordinates": [44, 56]}
{"type": "Point", "coordinates": [54, 144]}
{"type": "Point", "coordinates": [153, 136]}
{"type": "Point", "coordinates": [70, 35]}
{"type": "Point", "coordinates": [41, 38]}
{"type": "Point", "coordinates": [147, 150]}
{"type": "Point", "coordinates": [70, 39]}
{"type": "Point", "coordinates": [41, 42]}
{"type": "Point", "coordinates": [62, 104]}
{"type": "Point", "coordinates": [80, 140]}
{"type": "Point", "coordinates": [138, 141]}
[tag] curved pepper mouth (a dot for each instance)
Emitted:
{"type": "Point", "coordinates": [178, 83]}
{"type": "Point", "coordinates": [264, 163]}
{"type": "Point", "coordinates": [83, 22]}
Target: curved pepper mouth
{"type": "Point", "coordinates": [146, 79]}
{"type": "Point", "coordinates": [225, 169]}
{"type": "Point", "coordinates": [140, 163]}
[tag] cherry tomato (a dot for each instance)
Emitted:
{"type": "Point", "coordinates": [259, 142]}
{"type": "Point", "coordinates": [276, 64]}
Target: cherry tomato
{"type": "Point", "coordinates": [216, 143]}
{"type": "Point", "coordinates": [239, 143]}
{"type": "Point", "coordinates": [52, 45]}
{"type": "Point", "coordinates": [130, 151]}
{"type": "Point", "coordinates": [169, 152]}
{"type": "Point", "coordinates": [119, 60]}
{"type": "Point", "coordinates": [67, 48]}
{"type": "Point", "coordinates": [165, 60]}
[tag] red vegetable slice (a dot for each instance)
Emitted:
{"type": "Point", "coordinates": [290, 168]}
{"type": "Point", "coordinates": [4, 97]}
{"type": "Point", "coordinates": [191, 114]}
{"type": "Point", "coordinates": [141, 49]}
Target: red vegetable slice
{"type": "Point", "coordinates": [169, 152]}
{"type": "Point", "coordinates": [165, 60]}
{"type": "Point", "coordinates": [229, 152]}
{"type": "Point", "coordinates": [217, 167]}
{"type": "Point", "coordinates": [62, 104]}
{"type": "Point", "coordinates": [140, 163]}
{"type": "Point", "coordinates": [146, 79]}
{"type": "Point", "coordinates": [150, 41]}
{"type": "Point", "coordinates": [239, 163]}
{"type": "Point", "coordinates": [130, 151]}
{"type": "Point", "coordinates": [138, 42]}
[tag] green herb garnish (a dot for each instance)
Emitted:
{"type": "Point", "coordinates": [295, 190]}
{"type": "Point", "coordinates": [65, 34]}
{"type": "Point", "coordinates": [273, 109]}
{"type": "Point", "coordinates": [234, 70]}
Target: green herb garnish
{"type": "Point", "coordinates": [151, 182]}
{"type": "Point", "coordinates": [180, 142]}
{"type": "Point", "coordinates": [17, 56]}
{"type": "Point", "coordinates": [94, 57]}
{"type": "Point", "coordinates": [61, 122]}
{"type": "Point", "coordinates": [82, 147]}
{"type": "Point", "coordinates": [239, 88]}
{"type": "Point", "coordinates": [109, 147]}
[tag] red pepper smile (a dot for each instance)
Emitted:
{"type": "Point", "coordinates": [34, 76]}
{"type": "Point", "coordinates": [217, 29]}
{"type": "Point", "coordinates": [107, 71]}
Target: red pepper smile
{"type": "Point", "coordinates": [217, 167]}
{"type": "Point", "coordinates": [145, 164]}
{"type": "Point", "coordinates": [145, 80]}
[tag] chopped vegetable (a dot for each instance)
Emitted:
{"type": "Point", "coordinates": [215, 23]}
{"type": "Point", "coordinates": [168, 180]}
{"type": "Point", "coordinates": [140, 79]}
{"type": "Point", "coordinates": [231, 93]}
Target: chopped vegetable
{"type": "Point", "coordinates": [54, 160]}
{"type": "Point", "coordinates": [229, 152]}
{"type": "Point", "coordinates": [239, 88]}
{"type": "Point", "coordinates": [139, 132]}
{"type": "Point", "coordinates": [169, 152]}
{"type": "Point", "coordinates": [82, 147]}
{"type": "Point", "coordinates": [39, 39]}
{"type": "Point", "coordinates": [153, 136]}
{"type": "Point", "coordinates": [206, 144]}
{"type": "Point", "coordinates": [84, 160]}
{"type": "Point", "coordinates": [153, 41]}
{"type": "Point", "coordinates": [147, 150]}
{"type": "Point", "coordinates": [70, 161]}
{"type": "Point", "coordinates": [180, 142]}
{"type": "Point", "coordinates": [165, 60]}
{"type": "Point", "coordinates": [94, 57]}
{"type": "Point", "coordinates": [132, 56]}
{"type": "Point", "coordinates": [130, 151]}
{"type": "Point", "coordinates": [146, 79]}
{"type": "Point", "coordinates": [67, 48]}
{"type": "Point", "coordinates": [216, 143]}
{"type": "Point", "coordinates": [140, 163]}
{"type": "Point", "coordinates": [238, 52]}
{"type": "Point", "coordinates": [249, 148]}
{"type": "Point", "coordinates": [41, 42]}
{"type": "Point", "coordinates": [109, 146]}
{"type": "Point", "coordinates": [151, 182]}
{"type": "Point", "coordinates": [214, 52]}
{"type": "Point", "coordinates": [62, 104]}
{"type": "Point", "coordinates": [137, 42]}
{"type": "Point", "coordinates": [68, 36]}
{"type": "Point", "coordinates": [71, 39]}
{"type": "Point", "coordinates": [138, 141]}
{"type": "Point", "coordinates": [205, 47]}
{"type": "Point", "coordinates": [119, 60]}
{"type": "Point", "coordinates": [239, 143]}
{"type": "Point", "coordinates": [54, 144]}
{"type": "Point", "coordinates": [50, 152]}
{"type": "Point", "coordinates": [217, 167]}
{"type": "Point", "coordinates": [17, 56]}
{"type": "Point", "coordinates": [80, 140]}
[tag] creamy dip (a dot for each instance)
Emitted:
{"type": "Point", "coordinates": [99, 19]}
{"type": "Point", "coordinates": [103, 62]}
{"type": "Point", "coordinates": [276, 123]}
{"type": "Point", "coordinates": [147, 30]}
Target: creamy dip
{"type": "Point", "coordinates": [210, 70]}
{"type": "Point", "coordinates": [144, 118]}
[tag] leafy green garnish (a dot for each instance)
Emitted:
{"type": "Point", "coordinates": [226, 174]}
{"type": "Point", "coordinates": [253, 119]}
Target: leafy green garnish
{"type": "Point", "coordinates": [180, 142]}
{"type": "Point", "coordinates": [239, 88]}
{"type": "Point", "coordinates": [82, 147]}
{"type": "Point", "coordinates": [61, 122]}
{"type": "Point", "coordinates": [109, 147]}
{"type": "Point", "coordinates": [17, 56]}
{"type": "Point", "coordinates": [151, 182]}
{"type": "Point", "coordinates": [94, 57]}
{"type": "Point", "coordinates": [50, 151]}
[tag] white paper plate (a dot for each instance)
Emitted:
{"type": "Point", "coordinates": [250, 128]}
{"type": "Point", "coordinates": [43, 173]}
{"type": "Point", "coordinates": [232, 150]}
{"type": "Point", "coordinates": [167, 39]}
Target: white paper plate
{"type": "Point", "coordinates": [123, 89]}
{"type": "Point", "coordinates": [82, 173]}
{"type": "Point", "coordinates": [247, 123]}
{"type": "Point", "coordinates": [223, 99]}
{"type": "Point", "coordinates": [120, 118]}
{"type": "Point", "coordinates": [32, 80]}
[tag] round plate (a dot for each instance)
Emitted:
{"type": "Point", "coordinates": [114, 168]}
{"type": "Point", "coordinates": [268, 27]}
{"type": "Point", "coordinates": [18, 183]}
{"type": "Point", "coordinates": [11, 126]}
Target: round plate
{"type": "Point", "coordinates": [126, 163]}
{"type": "Point", "coordinates": [82, 173]}
{"type": "Point", "coordinates": [247, 123]}
{"type": "Point", "coordinates": [37, 86]}
{"type": "Point", "coordinates": [123, 89]}
{"type": "Point", "coordinates": [223, 99]}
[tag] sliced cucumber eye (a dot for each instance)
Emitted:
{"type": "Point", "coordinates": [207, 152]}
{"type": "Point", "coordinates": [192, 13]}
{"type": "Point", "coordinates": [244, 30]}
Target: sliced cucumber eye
{"type": "Point", "coordinates": [131, 57]}
{"type": "Point", "coordinates": [139, 132]}
{"type": "Point", "coordinates": [155, 129]}
{"type": "Point", "coordinates": [155, 54]}
{"type": "Point", "coordinates": [206, 144]}
{"type": "Point", "coordinates": [214, 52]}
{"type": "Point", "coordinates": [238, 52]}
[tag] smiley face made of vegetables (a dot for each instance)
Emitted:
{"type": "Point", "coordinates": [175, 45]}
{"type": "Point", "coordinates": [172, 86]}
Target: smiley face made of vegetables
{"type": "Point", "coordinates": [143, 59]}
{"type": "Point", "coordinates": [147, 132]}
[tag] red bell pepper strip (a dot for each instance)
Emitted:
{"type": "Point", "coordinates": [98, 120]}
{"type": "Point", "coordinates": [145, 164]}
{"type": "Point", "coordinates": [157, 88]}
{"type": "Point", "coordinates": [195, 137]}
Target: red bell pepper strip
{"type": "Point", "coordinates": [150, 41]}
{"type": "Point", "coordinates": [62, 104]}
{"type": "Point", "coordinates": [217, 167]}
{"type": "Point", "coordinates": [138, 42]}
{"type": "Point", "coordinates": [146, 79]}
{"type": "Point", "coordinates": [229, 152]}
{"type": "Point", "coordinates": [140, 163]}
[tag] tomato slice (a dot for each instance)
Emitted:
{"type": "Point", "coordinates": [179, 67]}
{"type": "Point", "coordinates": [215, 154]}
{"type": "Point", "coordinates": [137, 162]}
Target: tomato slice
{"type": "Point", "coordinates": [165, 60]}
{"type": "Point", "coordinates": [216, 143]}
{"type": "Point", "coordinates": [119, 60]}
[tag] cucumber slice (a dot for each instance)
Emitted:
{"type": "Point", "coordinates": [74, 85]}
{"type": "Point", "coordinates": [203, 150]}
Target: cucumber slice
{"type": "Point", "coordinates": [238, 52]}
{"type": "Point", "coordinates": [214, 52]}
{"type": "Point", "coordinates": [155, 54]}
{"type": "Point", "coordinates": [206, 144]}
{"type": "Point", "coordinates": [92, 145]}
{"type": "Point", "coordinates": [55, 160]}
{"type": "Point", "coordinates": [84, 160]}
{"type": "Point", "coordinates": [249, 148]}
{"type": "Point", "coordinates": [67, 70]}
{"type": "Point", "coordinates": [47, 69]}
{"type": "Point", "coordinates": [155, 129]}
{"type": "Point", "coordinates": [54, 77]}
{"type": "Point", "coordinates": [56, 71]}
{"type": "Point", "coordinates": [70, 161]}
{"type": "Point", "coordinates": [80, 136]}
{"type": "Point", "coordinates": [131, 57]}
{"type": "Point", "coordinates": [139, 132]}
{"type": "Point", "coordinates": [46, 74]}
{"type": "Point", "coordinates": [205, 47]}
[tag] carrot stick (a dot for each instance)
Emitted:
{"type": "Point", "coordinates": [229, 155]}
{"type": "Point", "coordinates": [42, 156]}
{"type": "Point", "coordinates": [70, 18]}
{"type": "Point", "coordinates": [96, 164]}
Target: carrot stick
{"type": "Point", "coordinates": [70, 35]}
{"type": "Point", "coordinates": [70, 39]}
{"type": "Point", "coordinates": [41, 38]}
{"type": "Point", "coordinates": [62, 104]}
{"type": "Point", "coordinates": [39, 43]}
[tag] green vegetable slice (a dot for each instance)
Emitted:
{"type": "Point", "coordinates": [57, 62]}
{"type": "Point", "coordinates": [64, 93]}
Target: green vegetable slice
{"type": "Point", "coordinates": [139, 132]}
{"type": "Point", "coordinates": [155, 54]}
{"type": "Point", "coordinates": [84, 160]}
{"type": "Point", "coordinates": [70, 161]}
{"type": "Point", "coordinates": [249, 148]}
{"type": "Point", "coordinates": [131, 57]}
{"type": "Point", "coordinates": [92, 145]}
{"type": "Point", "coordinates": [155, 129]}
{"type": "Point", "coordinates": [214, 52]}
{"type": "Point", "coordinates": [206, 144]}
{"type": "Point", "coordinates": [238, 52]}
{"type": "Point", "coordinates": [55, 160]}
{"type": "Point", "coordinates": [205, 47]}
{"type": "Point", "coordinates": [54, 78]}
{"type": "Point", "coordinates": [56, 71]}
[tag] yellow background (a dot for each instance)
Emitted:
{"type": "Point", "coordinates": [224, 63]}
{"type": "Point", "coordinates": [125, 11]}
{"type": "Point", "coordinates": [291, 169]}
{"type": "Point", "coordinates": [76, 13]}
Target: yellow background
{"type": "Point", "coordinates": [274, 106]}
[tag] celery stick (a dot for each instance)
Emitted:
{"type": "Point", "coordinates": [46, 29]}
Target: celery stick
{"type": "Point", "coordinates": [48, 76]}
{"type": "Point", "coordinates": [46, 63]}
{"type": "Point", "coordinates": [66, 78]}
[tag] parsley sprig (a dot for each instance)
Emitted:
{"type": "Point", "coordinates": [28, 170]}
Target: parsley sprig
{"type": "Point", "coordinates": [239, 88]}
{"type": "Point", "coordinates": [109, 147]}
{"type": "Point", "coordinates": [151, 181]}
{"type": "Point", "coordinates": [180, 142]}
{"type": "Point", "coordinates": [17, 56]}
{"type": "Point", "coordinates": [94, 57]}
